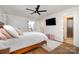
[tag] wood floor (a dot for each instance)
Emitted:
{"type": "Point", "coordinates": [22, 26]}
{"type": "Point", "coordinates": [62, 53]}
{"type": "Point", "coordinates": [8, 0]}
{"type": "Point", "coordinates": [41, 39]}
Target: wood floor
{"type": "Point", "coordinates": [64, 48]}
{"type": "Point", "coordinates": [69, 40]}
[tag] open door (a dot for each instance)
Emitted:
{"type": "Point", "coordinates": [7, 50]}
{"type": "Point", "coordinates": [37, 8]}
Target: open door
{"type": "Point", "coordinates": [70, 27]}
{"type": "Point", "coordinates": [68, 30]}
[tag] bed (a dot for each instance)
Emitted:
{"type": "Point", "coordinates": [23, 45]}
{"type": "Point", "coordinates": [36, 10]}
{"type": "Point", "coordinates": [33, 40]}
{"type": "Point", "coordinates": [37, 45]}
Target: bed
{"type": "Point", "coordinates": [22, 43]}
{"type": "Point", "coordinates": [25, 43]}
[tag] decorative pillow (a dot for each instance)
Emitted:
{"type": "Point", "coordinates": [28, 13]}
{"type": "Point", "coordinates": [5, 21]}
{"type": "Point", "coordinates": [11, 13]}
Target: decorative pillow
{"type": "Point", "coordinates": [2, 36]}
{"type": "Point", "coordinates": [11, 30]}
{"type": "Point", "coordinates": [2, 30]}
{"type": "Point", "coordinates": [19, 31]}
{"type": "Point", "coordinates": [50, 36]}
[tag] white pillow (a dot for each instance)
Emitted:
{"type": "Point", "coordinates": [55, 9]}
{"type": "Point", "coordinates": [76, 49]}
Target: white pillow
{"type": "Point", "coordinates": [11, 30]}
{"type": "Point", "coordinates": [19, 31]}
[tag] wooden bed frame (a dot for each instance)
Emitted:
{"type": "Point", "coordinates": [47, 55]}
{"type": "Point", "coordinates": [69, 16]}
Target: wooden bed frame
{"type": "Point", "coordinates": [30, 48]}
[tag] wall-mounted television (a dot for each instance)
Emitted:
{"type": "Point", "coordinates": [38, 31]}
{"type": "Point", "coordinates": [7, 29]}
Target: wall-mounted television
{"type": "Point", "coordinates": [51, 21]}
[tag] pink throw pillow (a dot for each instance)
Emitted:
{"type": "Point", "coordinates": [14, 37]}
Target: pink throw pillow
{"type": "Point", "coordinates": [2, 30]}
{"type": "Point", "coordinates": [2, 36]}
{"type": "Point", "coordinates": [50, 36]}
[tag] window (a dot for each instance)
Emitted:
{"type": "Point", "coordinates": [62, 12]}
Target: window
{"type": "Point", "coordinates": [31, 25]}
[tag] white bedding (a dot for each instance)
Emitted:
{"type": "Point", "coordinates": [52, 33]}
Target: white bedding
{"type": "Point", "coordinates": [27, 39]}
{"type": "Point", "coordinates": [34, 35]}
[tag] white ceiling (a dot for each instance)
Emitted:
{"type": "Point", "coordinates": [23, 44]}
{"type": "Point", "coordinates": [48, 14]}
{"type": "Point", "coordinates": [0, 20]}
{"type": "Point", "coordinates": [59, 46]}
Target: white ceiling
{"type": "Point", "coordinates": [20, 10]}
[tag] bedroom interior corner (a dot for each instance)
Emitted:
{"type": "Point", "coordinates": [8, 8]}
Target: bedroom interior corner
{"type": "Point", "coordinates": [42, 38]}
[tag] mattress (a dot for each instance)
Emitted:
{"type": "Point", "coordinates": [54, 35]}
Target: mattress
{"type": "Point", "coordinates": [26, 40]}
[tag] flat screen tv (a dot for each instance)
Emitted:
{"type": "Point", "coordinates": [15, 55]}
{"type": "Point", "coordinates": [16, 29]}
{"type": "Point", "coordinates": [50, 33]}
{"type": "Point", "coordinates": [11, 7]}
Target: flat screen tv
{"type": "Point", "coordinates": [51, 21]}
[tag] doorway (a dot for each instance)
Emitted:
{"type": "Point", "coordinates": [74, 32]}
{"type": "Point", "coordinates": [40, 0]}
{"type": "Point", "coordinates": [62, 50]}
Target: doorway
{"type": "Point", "coordinates": [68, 30]}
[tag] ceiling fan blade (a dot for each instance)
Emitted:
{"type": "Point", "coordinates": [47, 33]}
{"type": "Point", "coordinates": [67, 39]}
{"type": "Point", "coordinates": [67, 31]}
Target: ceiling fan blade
{"type": "Point", "coordinates": [29, 9]}
{"type": "Point", "coordinates": [38, 13]}
{"type": "Point", "coordinates": [42, 10]}
{"type": "Point", "coordinates": [37, 8]}
{"type": "Point", "coordinates": [33, 13]}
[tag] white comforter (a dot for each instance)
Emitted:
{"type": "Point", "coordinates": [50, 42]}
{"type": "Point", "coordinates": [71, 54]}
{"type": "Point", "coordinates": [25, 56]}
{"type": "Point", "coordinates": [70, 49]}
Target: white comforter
{"type": "Point", "coordinates": [27, 39]}
{"type": "Point", "coordinates": [34, 35]}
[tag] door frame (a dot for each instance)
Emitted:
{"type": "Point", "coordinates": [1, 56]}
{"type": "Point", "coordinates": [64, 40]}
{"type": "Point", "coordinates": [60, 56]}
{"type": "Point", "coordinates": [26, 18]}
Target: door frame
{"type": "Point", "coordinates": [65, 26]}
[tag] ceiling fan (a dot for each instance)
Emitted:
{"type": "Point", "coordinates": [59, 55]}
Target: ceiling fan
{"type": "Point", "coordinates": [36, 10]}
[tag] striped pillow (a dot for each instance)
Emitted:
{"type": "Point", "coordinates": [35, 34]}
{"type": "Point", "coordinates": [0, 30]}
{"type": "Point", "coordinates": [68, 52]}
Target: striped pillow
{"type": "Point", "coordinates": [2, 30]}
{"type": "Point", "coordinates": [11, 31]}
{"type": "Point", "coordinates": [2, 36]}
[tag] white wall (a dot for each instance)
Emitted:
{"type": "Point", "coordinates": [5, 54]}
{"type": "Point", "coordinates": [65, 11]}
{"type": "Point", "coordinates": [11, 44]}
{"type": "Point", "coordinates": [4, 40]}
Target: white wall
{"type": "Point", "coordinates": [17, 21]}
{"type": "Point", "coordinates": [21, 22]}
{"type": "Point", "coordinates": [58, 29]}
{"type": "Point", "coordinates": [2, 16]}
